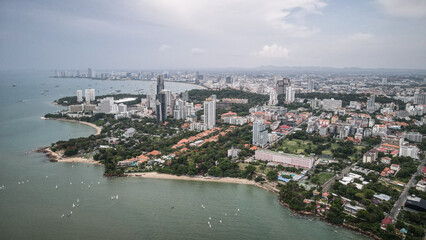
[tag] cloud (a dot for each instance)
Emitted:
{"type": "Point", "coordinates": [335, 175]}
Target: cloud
{"type": "Point", "coordinates": [361, 37]}
{"type": "Point", "coordinates": [273, 51]}
{"type": "Point", "coordinates": [197, 51]}
{"type": "Point", "coordinates": [404, 8]}
{"type": "Point", "coordinates": [285, 17]}
{"type": "Point", "coordinates": [164, 47]}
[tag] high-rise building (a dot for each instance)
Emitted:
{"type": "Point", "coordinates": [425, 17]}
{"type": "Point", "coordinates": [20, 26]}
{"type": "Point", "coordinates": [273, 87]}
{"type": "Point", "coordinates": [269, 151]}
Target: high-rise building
{"type": "Point", "coordinates": [273, 98]}
{"type": "Point", "coordinates": [371, 103]}
{"type": "Point", "coordinates": [79, 96]}
{"type": "Point", "coordinates": [311, 84]}
{"type": "Point", "coordinates": [179, 112]}
{"type": "Point", "coordinates": [290, 94]}
{"type": "Point", "coordinates": [210, 112]}
{"type": "Point", "coordinates": [87, 95]}
{"type": "Point", "coordinates": [160, 84]}
{"type": "Point", "coordinates": [331, 104]}
{"type": "Point", "coordinates": [280, 86]}
{"type": "Point", "coordinates": [419, 98]}
{"type": "Point", "coordinates": [260, 134]}
{"type": "Point", "coordinates": [168, 97]}
{"type": "Point", "coordinates": [161, 108]}
{"type": "Point", "coordinates": [90, 73]}
{"type": "Point", "coordinates": [92, 95]}
{"type": "Point", "coordinates": [384, 81]}
{"type": "Point", "coordinates": [229, 79]}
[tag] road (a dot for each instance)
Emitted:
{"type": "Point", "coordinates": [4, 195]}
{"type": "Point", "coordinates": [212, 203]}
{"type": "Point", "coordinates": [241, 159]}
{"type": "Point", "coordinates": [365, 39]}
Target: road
{"type": "Point", "coordinates": [403, 197]}
{"type": "Point", "coordinates": [326, 186]}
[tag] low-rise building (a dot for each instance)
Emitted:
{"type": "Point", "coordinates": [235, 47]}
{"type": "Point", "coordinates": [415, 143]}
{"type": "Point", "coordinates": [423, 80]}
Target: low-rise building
{"type": "Point", "coordinates": [370, 156]}
{"type": "Point", "coordinates": [285, 159]}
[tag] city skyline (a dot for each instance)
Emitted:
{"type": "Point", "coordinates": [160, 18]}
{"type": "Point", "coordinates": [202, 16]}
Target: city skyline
{"type": "Point", "coordinates": [189, 35]}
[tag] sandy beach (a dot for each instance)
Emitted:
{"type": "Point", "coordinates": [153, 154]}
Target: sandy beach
{"type": "Point", "coordinates": [57, 157]}
{"type": "Point", "coordinates": [187, 178]}
{"type": "Point", "coordinates": [98, 129]}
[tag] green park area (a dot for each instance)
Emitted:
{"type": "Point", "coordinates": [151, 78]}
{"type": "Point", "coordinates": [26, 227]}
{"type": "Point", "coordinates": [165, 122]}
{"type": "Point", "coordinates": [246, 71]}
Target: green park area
{"type": "Point", "coordinates": [321, 178]}
{"type": "Point", "coordinates": [334, 148]}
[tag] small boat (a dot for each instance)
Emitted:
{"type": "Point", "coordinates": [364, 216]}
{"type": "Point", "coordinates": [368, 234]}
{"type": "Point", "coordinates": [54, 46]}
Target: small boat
{"type": "Point", "coordinates": [63, 215]}
{"type": "Point", "coordinates": [69, 215]}
{"type": "Point", "coordinates": [78, 200]}
{"type": "Point", "coordinates": [70, 183]}
{"type": "Point", "coordinates": [47, 176]}
{"type": "Point", "coordinates": [226, 214]}
{"type": "Point", "coordinates": [238, 209]}
{"type": "Point", "coordinates": [56, 186]}
{"type": "Point", "coordinates": [73, 205]}
{"type": "Point", "coordinates": [89, 186]}
{"type": "Point", "coordinates": [220, 221]}
{"type": "Point", "coordinates": [13, 85]}
{"type": "Point", "coordinates": [81, 182]}
{"type": "Point", "coordinates": [78, 205]}
{"type": "Point", "coordinates": [116, 197]}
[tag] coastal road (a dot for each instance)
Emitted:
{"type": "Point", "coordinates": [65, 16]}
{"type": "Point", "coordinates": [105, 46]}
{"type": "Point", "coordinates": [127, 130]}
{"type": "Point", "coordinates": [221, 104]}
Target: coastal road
{"type": "Point", "coordinates": [403, 197]}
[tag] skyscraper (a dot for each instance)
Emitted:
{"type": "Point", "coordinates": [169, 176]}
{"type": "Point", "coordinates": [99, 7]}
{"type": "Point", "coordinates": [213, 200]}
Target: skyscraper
{"type": "Point", "coordinates": [419, 98]}
{"type": "Point", "coordinates": [260, 134]}
{"type": "Point", "coordinates": [161, 105]}
{"type": "Point", "coordinates": [311, 84]}
{"type": "Point", "coordinates": [289, 94]}
{"type": "Point", "coordinates": [384, 81]}
{"type": "Point", "coordinates": [210, 112]}
{"type": "Point", "coordinates": [92, 94]}
{"type": "Point", "coordinates": [87, 95]}
{"type": "Point", "coordinates": [371, 103]}
{"type": "Point", "coordinates": [160, 84]}
{"type": "Point", "coordinates": [273, 98]}
{"type": "Point", "coordinates": [280, 87]}
{"type": "Point", "coordinates": [161, 108]}
{"type": "Point", "coordinates": [90, 73]}
{"type": "Point", "coordinates": [79, 96]}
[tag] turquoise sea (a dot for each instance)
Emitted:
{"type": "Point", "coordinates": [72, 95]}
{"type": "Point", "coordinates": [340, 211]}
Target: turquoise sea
{"type": "Point", "coordinates": [31, 205]}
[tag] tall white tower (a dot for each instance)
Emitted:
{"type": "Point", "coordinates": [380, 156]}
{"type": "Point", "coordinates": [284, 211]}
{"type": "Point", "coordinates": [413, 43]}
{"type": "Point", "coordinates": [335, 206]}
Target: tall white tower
{"type": "Point", "coordinates": [79, 96]}
{"type": "Point", "coordinates": [210, 112]}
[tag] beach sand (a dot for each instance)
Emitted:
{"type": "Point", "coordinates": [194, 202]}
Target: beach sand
{"type": "Point", "coordinates": [98, 129]}
{"type": "Point", "coordinates": [202, 179]}
{"type": "Point", "coordinates": [57, 157]}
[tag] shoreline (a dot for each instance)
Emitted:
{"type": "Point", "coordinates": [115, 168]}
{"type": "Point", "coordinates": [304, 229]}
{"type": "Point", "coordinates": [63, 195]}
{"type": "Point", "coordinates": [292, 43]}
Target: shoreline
{"type": "Point", "coordinates": [97, 128]}
{"type": "Point", "coordinates": [155, 175]}
{"type": "Point", "coordinates": [56, 157]}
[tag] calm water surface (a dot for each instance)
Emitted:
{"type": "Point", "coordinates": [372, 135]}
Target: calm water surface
{"type": "Point", "coordinates": [145, 209]}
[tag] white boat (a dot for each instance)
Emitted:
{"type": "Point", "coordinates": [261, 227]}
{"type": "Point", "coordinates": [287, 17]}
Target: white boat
{"type": "Point", "coordinates": [73, 205]}
{"type": "Point", "coordinates": [78, 200]}
{"type": "Point", "coordinates": [220, 221]}
{"type": "Point", "coordinates": [116, 197]}
{"type": "Point", "coordinates": [63, 215]}
{"type": "Point", "coordinates": [56, 186]}
{"type": "Point", "coordinates": [210, 218]}
{"type": "Point", "coordinates": [238, 209]}
{"type": "Point", "coordinates": [70, 183]}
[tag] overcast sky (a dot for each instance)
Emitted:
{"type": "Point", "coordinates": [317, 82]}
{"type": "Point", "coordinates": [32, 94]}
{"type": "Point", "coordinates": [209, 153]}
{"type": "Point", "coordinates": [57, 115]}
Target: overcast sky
{"type": "Point", "coordinates": [173, 34]}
